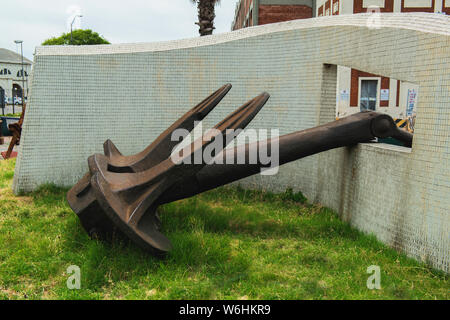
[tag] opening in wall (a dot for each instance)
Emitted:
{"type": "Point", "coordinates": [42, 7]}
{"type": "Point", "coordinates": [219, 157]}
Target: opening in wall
{"type": "Point", "coordinates": [358, 90]}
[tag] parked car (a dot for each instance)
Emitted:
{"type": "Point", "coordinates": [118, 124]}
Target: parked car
{"type": "Point", "coordinates": [17, 100]}
{"type": "Point", "coordinates": [8, 100]}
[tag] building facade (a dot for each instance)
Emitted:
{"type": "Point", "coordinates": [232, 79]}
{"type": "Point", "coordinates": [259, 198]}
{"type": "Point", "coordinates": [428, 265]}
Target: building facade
{"type": "Point", "coordinates": [357, 90]}
{"type": "Point", "coordinates": [336, 7]}
{"type": "Point", "coordinates": [11, 81]}
{"type": "Point", "coordinates": [258, 12]}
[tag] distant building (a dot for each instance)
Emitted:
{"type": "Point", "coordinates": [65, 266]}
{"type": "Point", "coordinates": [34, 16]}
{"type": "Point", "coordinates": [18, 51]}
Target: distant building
{"type": "Point", "coordinates": [11, 81]}
{"type": "Point", "coordinates": [257, 12]}
{"type": "Point", "coordinates": [356, 90]}
{"type": "Point", "coordinates": [335, 7]}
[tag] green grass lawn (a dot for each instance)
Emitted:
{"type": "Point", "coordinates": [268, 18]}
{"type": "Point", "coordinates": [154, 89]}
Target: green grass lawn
{"type": "Point", "coordinates": [14, 115]}
{"type": "Point", "coordinates": [228, 244]}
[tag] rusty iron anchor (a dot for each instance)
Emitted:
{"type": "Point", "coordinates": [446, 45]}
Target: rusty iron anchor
{"type": "Point", "coordinates": [120, 194]}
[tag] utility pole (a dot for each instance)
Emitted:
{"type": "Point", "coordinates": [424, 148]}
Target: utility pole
{"type": "Point", "coordinates": [71, 37]}
{"type": "Point", "coordinates": [23, 73]}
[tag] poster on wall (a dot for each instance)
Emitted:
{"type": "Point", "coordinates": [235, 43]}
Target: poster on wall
{"type": "Point", "coordinates": [384, 96]}
{"type": "Point", "coordinates": [411, 102]}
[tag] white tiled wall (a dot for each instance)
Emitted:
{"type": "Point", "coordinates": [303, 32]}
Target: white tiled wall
{"type": "Point", "coordinates": [400, 195]}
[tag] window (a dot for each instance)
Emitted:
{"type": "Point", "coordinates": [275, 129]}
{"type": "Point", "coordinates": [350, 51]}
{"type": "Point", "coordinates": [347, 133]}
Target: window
{"type": "Point", "coordinates": [368, 96]}
{"type": "Point", "coordinates": [357, 91]}
{"type": "Point", "coordinates": [19, 73]}
{"type": "Point", "coordinates": [335, 7]}
{"type": "Point", "coordinates": [5, 72]}
{"type": "Point", "coordinates": [327, 8]}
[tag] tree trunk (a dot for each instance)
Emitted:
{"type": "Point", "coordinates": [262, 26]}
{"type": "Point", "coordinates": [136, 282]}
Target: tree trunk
{"type": "Point", "coordinates": [206, 16]}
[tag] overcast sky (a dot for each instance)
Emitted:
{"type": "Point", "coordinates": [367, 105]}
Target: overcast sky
{"type": "Point", "coordinates": [34, 21]}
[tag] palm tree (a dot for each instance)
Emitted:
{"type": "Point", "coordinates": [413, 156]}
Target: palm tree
{"type": "Point", "coordinates": [206, 16]}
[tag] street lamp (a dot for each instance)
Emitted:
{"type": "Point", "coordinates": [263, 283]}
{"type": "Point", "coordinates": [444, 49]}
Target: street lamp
{"type": "Point", "coordinates": [79, 16]}
{"type": "Point", "coordinates": [23, 73]}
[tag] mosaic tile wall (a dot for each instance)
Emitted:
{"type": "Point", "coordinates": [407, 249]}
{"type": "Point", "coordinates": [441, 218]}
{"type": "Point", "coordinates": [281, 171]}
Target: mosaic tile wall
{"type": "Point", "coordinates": [80, 96]}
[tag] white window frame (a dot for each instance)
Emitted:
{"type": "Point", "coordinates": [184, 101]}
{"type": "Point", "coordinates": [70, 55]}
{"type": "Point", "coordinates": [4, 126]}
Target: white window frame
{"type": "Point", "coordinates": [377, 105]}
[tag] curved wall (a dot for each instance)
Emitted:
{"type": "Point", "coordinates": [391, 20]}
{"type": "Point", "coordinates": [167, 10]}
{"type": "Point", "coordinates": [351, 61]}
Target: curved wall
{"type": "Point", "coordinates": [81, 96]}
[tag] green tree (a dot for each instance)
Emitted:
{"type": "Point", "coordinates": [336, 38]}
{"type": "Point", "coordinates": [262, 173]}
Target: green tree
{"type": "Point", "coordinates": [206, 16]}
{"type": "Point", "coordinates": [79, 37]}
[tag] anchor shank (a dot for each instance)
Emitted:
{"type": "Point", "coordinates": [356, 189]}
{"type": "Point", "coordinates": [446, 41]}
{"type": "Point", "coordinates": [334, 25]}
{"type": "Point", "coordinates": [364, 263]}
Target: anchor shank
{"type": "Point", "coordinates": [358, 128]}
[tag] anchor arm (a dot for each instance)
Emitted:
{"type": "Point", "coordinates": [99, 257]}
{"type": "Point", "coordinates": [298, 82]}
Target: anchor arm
{"type": "Point", "coordinates": [160, 149]}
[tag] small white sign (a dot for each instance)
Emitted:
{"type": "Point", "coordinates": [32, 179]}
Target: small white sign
{"type": "Point", "coordinates": [345, 94]}
{"type": "Point", "coordinates": [384, 96]}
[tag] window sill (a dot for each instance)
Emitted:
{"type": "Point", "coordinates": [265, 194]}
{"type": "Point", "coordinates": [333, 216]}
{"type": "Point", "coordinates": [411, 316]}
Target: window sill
{"type": "Point", "coordinates": [385, 147]}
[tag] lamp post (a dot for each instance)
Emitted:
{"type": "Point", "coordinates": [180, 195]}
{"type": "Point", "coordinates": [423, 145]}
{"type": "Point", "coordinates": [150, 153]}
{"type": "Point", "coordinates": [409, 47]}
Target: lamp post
{"type": "Point", "coordinates": [71, 38]}
{"type": "Point", "coordinates": [23, 73]}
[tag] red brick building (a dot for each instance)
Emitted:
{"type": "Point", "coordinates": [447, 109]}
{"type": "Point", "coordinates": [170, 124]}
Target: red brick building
{"type": "Point", "coordinates": [257, 12]}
